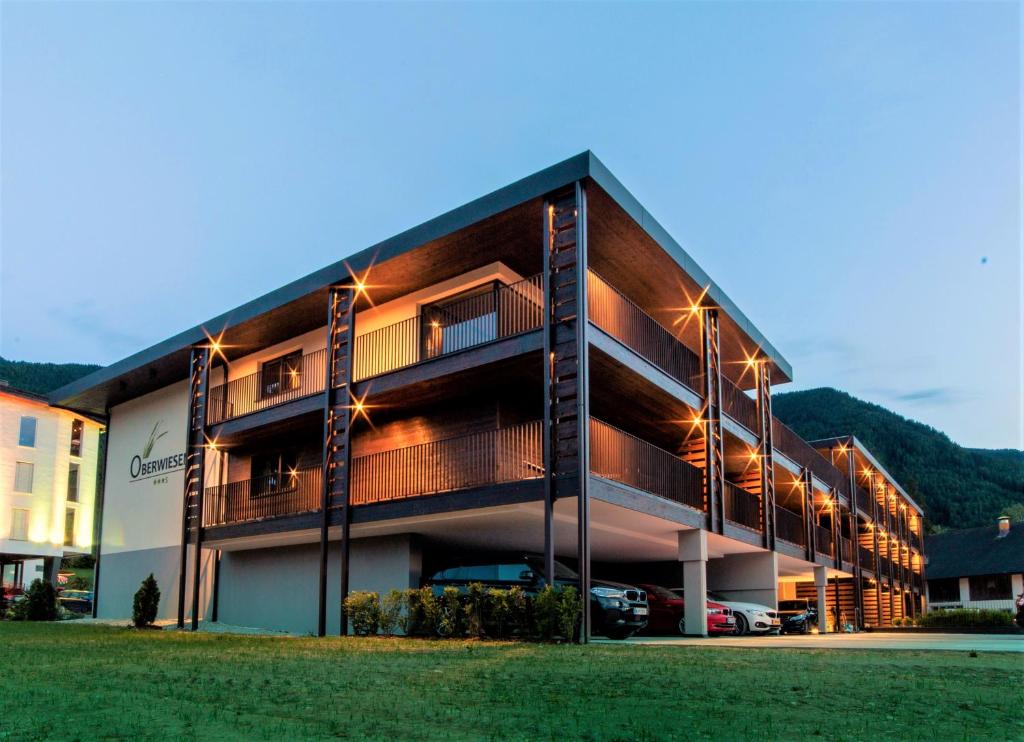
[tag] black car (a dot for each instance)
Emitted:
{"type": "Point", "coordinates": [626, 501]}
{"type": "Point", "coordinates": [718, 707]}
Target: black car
{"type": "Point", "coordinates": [798, 616]}
{"type": "Point", "coordinates": [617, 611]}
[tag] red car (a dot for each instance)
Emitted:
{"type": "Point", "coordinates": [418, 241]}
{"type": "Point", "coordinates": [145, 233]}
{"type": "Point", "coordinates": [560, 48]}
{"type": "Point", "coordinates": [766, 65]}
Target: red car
{"type": "Point", "coordinates": [667, 613]}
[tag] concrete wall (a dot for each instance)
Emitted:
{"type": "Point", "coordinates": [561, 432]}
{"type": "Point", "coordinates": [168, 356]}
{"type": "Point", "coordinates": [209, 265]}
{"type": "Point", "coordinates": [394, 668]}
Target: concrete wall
{"type": "Point", "coordinates": [277, 588]}
{"type": "Point", "coordinates": [122, 572]}
{"type": "Point", "coordinates": [750, 578]}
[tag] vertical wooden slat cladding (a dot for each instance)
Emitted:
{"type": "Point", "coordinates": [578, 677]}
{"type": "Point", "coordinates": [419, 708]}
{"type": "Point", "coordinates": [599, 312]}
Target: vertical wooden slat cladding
{"type": "Point", "coordinates": [839, 593]}
{"type": "Point", "coordinates": [192, 500]}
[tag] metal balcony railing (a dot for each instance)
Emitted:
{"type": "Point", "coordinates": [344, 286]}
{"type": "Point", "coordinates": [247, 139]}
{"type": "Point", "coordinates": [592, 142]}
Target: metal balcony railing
{"type": "Point", "coordinates": [621, 457]}
{"type": "Point", "coordinates": [496, 456]}
{"type": "Point", "coordinates": [823, 540]}
{"type": "Point", "coordinates": [789, 526]}
{"type": "Point", "coordinates": [260, 391]}
{"type": "Point", "coordinates": [501, 313]}
{"type": "Point", "coordinates": [807, 456]}
{"type": "Point", "coordinates": [847, 552]}
{"type": "Point", "coordinates": [289, 493]}
{"type": "Point", "coordinates": [866, 556]}
{"type": "Point", "coordinates": [863, 500]}
{"type": "Point", "coordinates": [611, 311]}
{"type": "Point", "coordinates": [742, 507]}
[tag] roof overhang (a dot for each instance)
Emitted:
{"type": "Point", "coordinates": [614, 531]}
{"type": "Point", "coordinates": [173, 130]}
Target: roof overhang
{"type": "Point", "coordinates": [167, 362]}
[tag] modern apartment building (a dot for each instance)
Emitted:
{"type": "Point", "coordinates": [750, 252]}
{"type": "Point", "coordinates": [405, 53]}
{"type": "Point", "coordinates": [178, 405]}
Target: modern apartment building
{"type": "Point", "coordinates": [48, 464]}
{"type": "Point", "coordinates": [543, 369]}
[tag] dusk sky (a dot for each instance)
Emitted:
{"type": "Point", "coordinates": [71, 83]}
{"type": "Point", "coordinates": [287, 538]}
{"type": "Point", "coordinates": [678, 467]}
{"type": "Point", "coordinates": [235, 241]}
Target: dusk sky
{"type": "Point", "coordinates": [848, 173]}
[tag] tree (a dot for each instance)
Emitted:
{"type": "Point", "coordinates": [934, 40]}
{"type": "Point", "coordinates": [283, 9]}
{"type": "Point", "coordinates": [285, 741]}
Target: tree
{"type": "Point", "coordinates": [40, 601]}
{"type": "Point", "coordinates": [146, 602]}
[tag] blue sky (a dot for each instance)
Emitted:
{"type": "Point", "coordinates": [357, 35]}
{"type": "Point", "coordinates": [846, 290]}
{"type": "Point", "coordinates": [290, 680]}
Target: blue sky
{"type": "Point", "coordinates": [848, 173]}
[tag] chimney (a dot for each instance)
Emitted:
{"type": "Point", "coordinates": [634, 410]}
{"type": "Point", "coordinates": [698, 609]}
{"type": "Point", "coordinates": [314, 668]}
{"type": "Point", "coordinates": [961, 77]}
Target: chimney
{"type": "Point", "coordinates": [1004, 526]}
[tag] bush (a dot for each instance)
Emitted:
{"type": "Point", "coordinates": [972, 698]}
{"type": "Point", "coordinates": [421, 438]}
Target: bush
{"type": "Point", "coordinates": [546, 613]}
{"type": "Point", "coordinates": [498, 611]}
{"type": "Point", "coordinates": [570, 610]}
{"type": "Point", "coordinates": [519, 611]}
{"type": "Point", "coordinates": [475, 609]}
{"type": "Point", "coordinates": [39, 603]}
{"type": "Point", "coordinates": [146, 603]}
{"type": "Point", "coordinates": [77, 582]}
{"type": "Point", "coordinates": [391, 611]}
{"type": "Point", "coordinates": [421, 610]}
{"type": "Point", "coordinates": [449, 617]}
{"type": "Point", "coordinates": [363, 611]}
{"type": "Point", "coordinates": [966, 618]}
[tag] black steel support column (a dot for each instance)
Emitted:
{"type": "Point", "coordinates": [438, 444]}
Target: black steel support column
{"type": "Point", "coordinates": [569, 405]}
{"type": "Point", "coordinates": [339, 402]}
{"type": "Point", "coordinates": [858, 586]}
{"type": "Point", "coordinates": [195, 447]}
{"type": "Point", "coordinates": [216, 588]}
{"type": "Point", "coordinates": [714, 452]}
{"type": "Point", "coordinates": [97, 517]}
{"type": "Point", "coordinates": [549, 374]}
{"type": "Point", "coordinates": [837, 532]}
{"type": "Point", "coordinates": [766, 454]}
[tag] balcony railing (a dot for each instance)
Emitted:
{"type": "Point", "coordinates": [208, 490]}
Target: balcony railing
{"type": "Point", "coordinates": [739, 406]}
{"type": "Point", "coordinates": [789, 526]}
{"type": "Point", "coordinates": [611, 311]}
{"type": "Point", "coordinates": [866, 556]}
{"type": "Point", "coordinates": [272, 496]}
{"type": "Point", "coordinates": [823, 540]}
{"type": "Point", "coordinates": [805, 455]}
{"type": "Point", "coordinates": [501, 313]}
{"type": "Point", "coordinates": [493, 457]}
{"type": "Point", "coordinates": [619, 456]}
{"type": "Point", "coordinates": [847, 545]}
{"type": "Point", "coordinates": [260, 391]}
{"type": "Point", "coordinates": [742, 507]}
{"type": "Point", "coordinates": [863, 500]}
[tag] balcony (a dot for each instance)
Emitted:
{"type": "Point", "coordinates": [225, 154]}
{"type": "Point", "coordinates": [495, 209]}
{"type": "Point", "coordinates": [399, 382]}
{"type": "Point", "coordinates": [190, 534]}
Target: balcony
{"type": "Point", "coordinates": [494, 457]}
{"type": "Point", "coordinates": [864, 500]}
{"type": "Point", "coordinates": [273, 496]}
{"type": "Point", "coordinates": [847, 549]}
{"type": "Point", "coordinates": [866, 557]}
{"type": "Point", "coordinates": [503, 312]}
{"type": "Point", "coordinates": [805, 455]}
{"type": "Point", "coordinates": [621, 457]}
{"type": "Point", "coordinates": [789, 526]}
{"type": "Point", "coordinates": [263, 389]}
{"type": "Point", "coordinates": [823, 541]}
{"type": "Point", "coordinates": [741, 507]}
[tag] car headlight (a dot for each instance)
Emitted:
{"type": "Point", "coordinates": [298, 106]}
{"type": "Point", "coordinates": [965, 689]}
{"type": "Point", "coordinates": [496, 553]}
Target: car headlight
{"type": "Point", "coordinates": [714, 611]}
{"type": "Point", "coordinates": [608, 592]}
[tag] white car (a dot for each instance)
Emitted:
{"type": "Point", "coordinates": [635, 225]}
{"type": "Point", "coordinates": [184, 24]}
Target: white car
{"type": "Point", "coordinates": [750, 617]}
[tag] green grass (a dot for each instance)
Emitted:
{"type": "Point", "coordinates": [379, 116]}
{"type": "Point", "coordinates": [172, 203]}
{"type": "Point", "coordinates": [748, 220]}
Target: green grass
{"type": "Point", "coordinates": [92, 682]}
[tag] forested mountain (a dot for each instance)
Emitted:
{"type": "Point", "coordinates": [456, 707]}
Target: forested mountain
{"type": "Point", "coordinates": [42, 377]}
{"type": "Point", "coordinates": [957, 487]}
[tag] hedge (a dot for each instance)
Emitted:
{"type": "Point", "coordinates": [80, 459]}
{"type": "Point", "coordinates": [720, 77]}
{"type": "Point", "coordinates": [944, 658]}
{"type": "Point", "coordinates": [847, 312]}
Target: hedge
{"type": "Point", "coordinates": [552, 615]}
{"type": "Point", "coordinates": [965, 617]}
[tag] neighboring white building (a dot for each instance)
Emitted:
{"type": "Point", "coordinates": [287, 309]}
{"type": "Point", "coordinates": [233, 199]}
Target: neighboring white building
{"type": "Point", "coordinates": [48, 466]}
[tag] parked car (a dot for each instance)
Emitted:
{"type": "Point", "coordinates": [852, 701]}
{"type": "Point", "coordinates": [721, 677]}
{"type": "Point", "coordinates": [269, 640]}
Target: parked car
{"type": "Point", "coordinates": [798, 616]}
{"type": "Point", "coordinates": [668, 612]}
{"type": "Point", "coordinates": [617, 611]}
{"type": "Point", "coordinates": [76, 601]}
{"type": "Point", "coordinates": [751, 618]}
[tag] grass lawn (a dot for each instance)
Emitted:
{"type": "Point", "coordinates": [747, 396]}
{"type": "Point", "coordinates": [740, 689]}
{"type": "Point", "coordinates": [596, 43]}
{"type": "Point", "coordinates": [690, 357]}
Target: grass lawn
{"type": "Point", "coordinates": [94, 682]}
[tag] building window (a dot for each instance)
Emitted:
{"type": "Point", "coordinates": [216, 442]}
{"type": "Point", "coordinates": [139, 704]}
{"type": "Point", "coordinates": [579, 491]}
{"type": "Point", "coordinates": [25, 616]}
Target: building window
{"type": "Point", "coordinates": [27, 432]}
{"type": "Point", "coordinates": [23, 472]}
{"type": "Point", "coordinates": [77, 429]}
{"type": "Point", "coordinates": [73, 483]}
{"type": "Point", "coordinates": [281, 374]}
{"type": "Point", "coordinates": [461, 321]}
{"type": "Point", "coordinates": [69, 526]}
{"type": "Point", "coordinates": [19, 524]}
{"type": "Point", "coordinates": [946, 590]}
{"type": "Point", "coordinates": [990, 587]}
{"type": "Point", "coordinates": [274, 473]}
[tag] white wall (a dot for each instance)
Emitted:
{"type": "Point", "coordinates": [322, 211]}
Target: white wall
{"type": "Point", "coordinates": [51, 459]}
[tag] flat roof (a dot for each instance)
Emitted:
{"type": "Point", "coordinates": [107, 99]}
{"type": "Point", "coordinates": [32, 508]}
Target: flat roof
{"type": "Point", "coordinates": [82, 394]}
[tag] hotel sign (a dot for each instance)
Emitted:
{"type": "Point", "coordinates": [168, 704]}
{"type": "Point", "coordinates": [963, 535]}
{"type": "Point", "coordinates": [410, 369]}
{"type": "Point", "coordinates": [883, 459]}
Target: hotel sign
{"type": "Point", "coordinates": [145, 466]}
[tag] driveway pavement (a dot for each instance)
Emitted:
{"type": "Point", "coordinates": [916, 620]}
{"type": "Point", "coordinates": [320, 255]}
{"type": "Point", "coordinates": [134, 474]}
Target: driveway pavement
{"type": "Point", "coordinates": [865, 640]}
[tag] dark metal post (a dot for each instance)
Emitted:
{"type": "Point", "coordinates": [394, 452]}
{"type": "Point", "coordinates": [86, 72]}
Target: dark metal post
{"type": "Point", "coordinates": [548, 360]}
{"type": "Point", "coordinates": [321, 623]}
{"type": "Point", "coordinates": [714, 454]}
{"type": "Point", "coordinates": [198, 451]}
{"type": "Point", "coordinates": [195, 445]}
{"type": "Point", "coordinates": [766, 458]}
{"type": "Point", "coordinates": [216, 588]}
{"type": "Point", "coordinates": [810, 530]}
{"type": "Point", "coordinates": [583, 406]}
{"type": "Point", "coordinates": [97, 518]}
{"type": "Point", "coordinates": [345, 480]}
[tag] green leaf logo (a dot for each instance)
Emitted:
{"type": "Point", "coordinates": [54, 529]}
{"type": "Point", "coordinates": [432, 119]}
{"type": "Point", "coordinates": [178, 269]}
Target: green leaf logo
{"type": "Point", "coordinates": [153, 438]}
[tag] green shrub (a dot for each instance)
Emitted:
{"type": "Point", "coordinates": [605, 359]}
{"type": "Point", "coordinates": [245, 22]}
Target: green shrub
{"type": "Point", "coordinates": [363, 611]}
{"type": "Point", "coordinates": [39, 603]}
{"type": "Point", "coordinates": [391, 611]}
{"type": "Point", "coordinates": [146, 603]}
{"type": "Point", "coordinates": [545, 613]}
{"type": "Point", "coordinates": [475, 609]}
{"type": "Point", "coordinates": [77, 582]}
{"type": "Point", "coordinates": [498, 610]}
{"type": "Point", "coordinates": [966, 618]}
{"type": "Point", "coordinates": [570, 610]}
{"type": "Point", "coordinates": [519, 612]}
{"type": "Point", "coordinates": [449, 621]}
{"type": "Point", "coordinates": [421, 612]}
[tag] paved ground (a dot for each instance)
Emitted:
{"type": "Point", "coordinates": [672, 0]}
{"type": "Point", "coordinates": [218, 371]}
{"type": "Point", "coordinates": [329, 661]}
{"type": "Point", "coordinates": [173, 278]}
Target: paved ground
{"type": "Point", "coordinates": [866, 640]}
